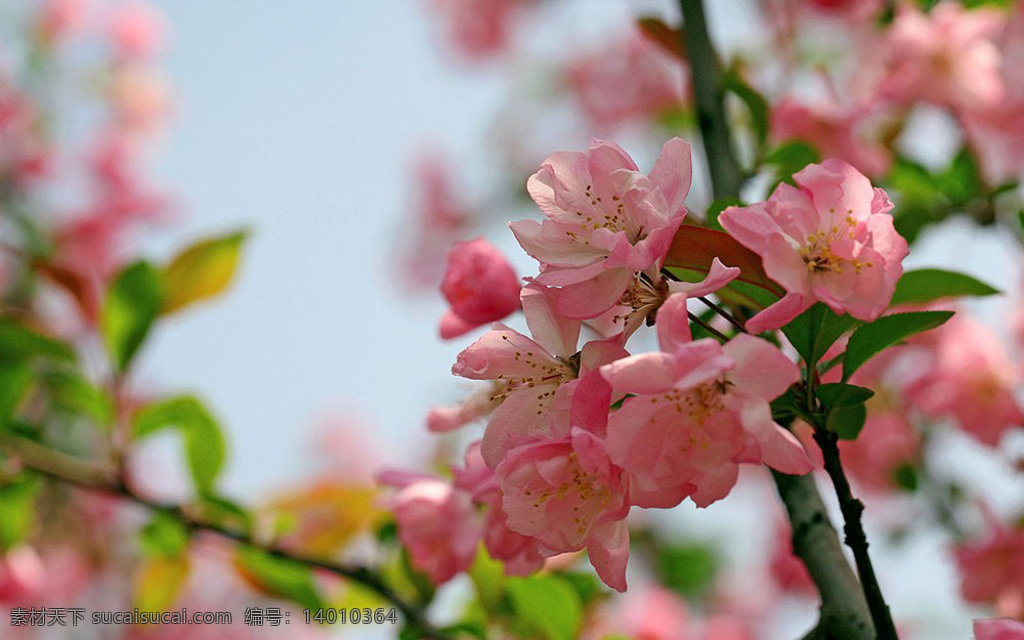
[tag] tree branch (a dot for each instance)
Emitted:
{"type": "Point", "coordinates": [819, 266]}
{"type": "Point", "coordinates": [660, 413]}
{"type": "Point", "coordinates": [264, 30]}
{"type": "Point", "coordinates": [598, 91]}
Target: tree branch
{"type": "Point", "coordinates": [852, 509]}
{"type": "Point", "coordinates": [73, 471]}
{"type": "Point", "coordinates": [709, 95]}
{"type": "Point", "coordinates": [844, 611]}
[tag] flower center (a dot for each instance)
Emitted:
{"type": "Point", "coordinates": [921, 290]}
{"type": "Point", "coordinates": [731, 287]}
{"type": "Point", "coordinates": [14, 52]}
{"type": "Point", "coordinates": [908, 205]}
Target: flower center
{"type": "Point", "coordinates": [817, 251]}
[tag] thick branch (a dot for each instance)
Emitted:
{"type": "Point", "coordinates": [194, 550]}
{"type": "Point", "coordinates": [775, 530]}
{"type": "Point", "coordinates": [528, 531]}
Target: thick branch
{"type": "Point", "coordinates": [844, 611]}
{"type": "Point", "coordinates": [709, 96]}
{"type": "Point", "coordinates": [852, 509]}
{"type": "Point", "coordinates": [70, 470]}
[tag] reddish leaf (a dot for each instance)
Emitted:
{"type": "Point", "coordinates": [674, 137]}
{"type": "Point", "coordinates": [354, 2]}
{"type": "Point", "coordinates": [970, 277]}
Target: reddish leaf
{"type": "Point", "coordinates": [84, 293]}
{"type": "Point", "coordinates": [694, 248]}
{"type": "Point", "coordinates": [670, 38]}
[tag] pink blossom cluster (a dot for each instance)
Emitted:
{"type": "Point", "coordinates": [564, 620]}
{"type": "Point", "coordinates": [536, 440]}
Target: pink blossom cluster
{"type": "Point", "coordinates": [112, 198]}
{"type": "Point", "coordinates": [580, 431]}
{"type": "Point", "coordinates": [965, 61]}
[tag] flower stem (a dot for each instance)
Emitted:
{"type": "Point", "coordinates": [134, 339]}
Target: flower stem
{"type": "Point", "coordinates": [73, 471]}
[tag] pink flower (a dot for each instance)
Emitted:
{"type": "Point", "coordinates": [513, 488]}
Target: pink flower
{"type": "Point", "coordinates": [568, 495]}
{"type": "Point", "coordinates": [437, 524]}
{"type": "Point", "coordinates": [521, 555]}
{"type": "Point", "coordinates": [474, 407]}
{"type": "Point", "coordinates": [992, 570]}
{"type": "Point", "coordinates": [967, 376]}
{"type": "Point", "coordinates": [22, 576]}
{"type": "Point", "coordinates": [136, 31]}
{"type": "Point", "coordinates": [480, 285]}
{"type": "Point", "coordinates": [652, 613]}
{"type": "Point", "coordinates": [998, 629]}
{"type": "Point", "coordinates": [436, 220]}
{"type": "Point", "coordinates": [946, 57]}
{"type": "Point", "coordinates": [831, 239]}
{"type": "Point", "coordinates": [57, 19]}
{"type": "Point", "coordinates": [630, 79]}
{"type": "Point", "coordinates": [606, 221]}
{"type": "Point", "coordinates": [787, 570]}
{"type": "Point", "coordinates": [698, 410]}
{"type": "Point", "coordinates": [852, 9]}
{"type": "Point", "coordinates": [834, 130]}
{"type": "Point", "coordinates": [887, 442]}
{"type": "Point", "coordinates": [537, 376]}
{"type": "Point", "coordinates": [477, 28]}
{"type": "Point", "coordinates": [646, 294]}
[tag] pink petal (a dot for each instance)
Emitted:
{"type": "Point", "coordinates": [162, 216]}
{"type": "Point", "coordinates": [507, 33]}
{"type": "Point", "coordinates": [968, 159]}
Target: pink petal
{"type": "Point", "coordinates": [592, 297]}
{"type": "Point", "coordinates": [673, 325]}
{"type": "Point", "coordinates": [453, 326]}
{"type": "Point", "coordinates": [760, 367]}
{"type": "Point", "coordinates": [644, 373]}
{"type": "Point", "coordinates": [553, 331]}
{"type": "Point", "coordinates": [779, 314]}
{"type": "Point", "coordinates": [673, 172]}
{"type": "Point", "coordinates": [609, 553]}
{"type": "Point", "coordinates": [718, 276]}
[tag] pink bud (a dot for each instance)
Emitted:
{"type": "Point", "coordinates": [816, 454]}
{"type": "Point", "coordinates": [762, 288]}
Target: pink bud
{"type": "Point", "coordinates": [480, 285]}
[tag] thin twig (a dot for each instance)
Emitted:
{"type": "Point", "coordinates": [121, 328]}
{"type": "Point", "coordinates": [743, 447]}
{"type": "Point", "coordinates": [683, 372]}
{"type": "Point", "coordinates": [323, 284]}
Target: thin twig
{"type": "Point", "coordinates": [707, 327]}
{"type": "Point", "coordinates": [73, 471]}
{"type": "Point", "coordinates": [725, 314]}
{"type": "Point", "coordinates": [852, 509]}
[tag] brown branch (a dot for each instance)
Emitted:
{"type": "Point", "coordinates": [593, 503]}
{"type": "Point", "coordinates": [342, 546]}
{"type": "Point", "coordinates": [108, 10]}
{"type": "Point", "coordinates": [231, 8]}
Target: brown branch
{"type": "Point", "coordinates": [73, 471]}
{"type": "Point", "coordinates": [852, 509]}
{"type": "Point", "coordinates": [709, 96]}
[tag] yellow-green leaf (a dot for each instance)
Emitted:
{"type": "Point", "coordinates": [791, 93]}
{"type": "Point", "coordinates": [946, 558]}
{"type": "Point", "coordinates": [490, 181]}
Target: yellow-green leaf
{"type": "Point", "coordinates": [201, 271]}
{"type": "Point", "coordinates": [159, 581]}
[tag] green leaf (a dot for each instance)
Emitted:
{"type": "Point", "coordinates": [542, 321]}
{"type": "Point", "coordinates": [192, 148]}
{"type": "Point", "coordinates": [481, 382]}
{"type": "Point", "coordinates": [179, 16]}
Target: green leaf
{"type": "Point", "coordinates": [844, 403]}
{"type": "Point", "coordinates": [789, 158]}
{"type": "Point", "coordinates": [812, 332]}
{"type": "Point", "coordinates": [204, 442]}
{"type": "Point", "coordinates": [17, 341]}
{"type": "Point", "coordinates": [226, 512]}
{"type": "Point", "coordinates": [961, 181]}
{"type": "Point", "coordinates": [925, 285]}
{"type": "Point", "coordinates": [131, 306]}
{"type": "Point", "coordinates": [201, 271]}
{"type": "Point", "coordinates": [906, 477]}
{"type": "Point", "coordinates": [17, 504]}
{"type": "Point", "coordinates": [847, 421]}
{"type": "Point", "coordinates": [840, 394]}
{"type": "Point", "coordinates": [488, 578]}
{"type": "Point", "coordinates": [787, 408]}
{"type": "Point", "coordinates": [587, 585]}
{"type": "Point", "coordinates": [548, 604]}
{"type": "Point", "coordinates": [164, 536]}
{"type": "Point", "coordinates": [279, 577]}
{"type": "Point", "coordinates": [689, 569]}
{"type": "Point", "coordinates": [757, 106]}
{"type": "Point", "coordinates": [72, 393]}
{"type": "Point", "coordinates": [16, 377]}
{"type": "Point", "coordinates": [872, 338]}
{"type": "Point", "coordinates": [716, 208]}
